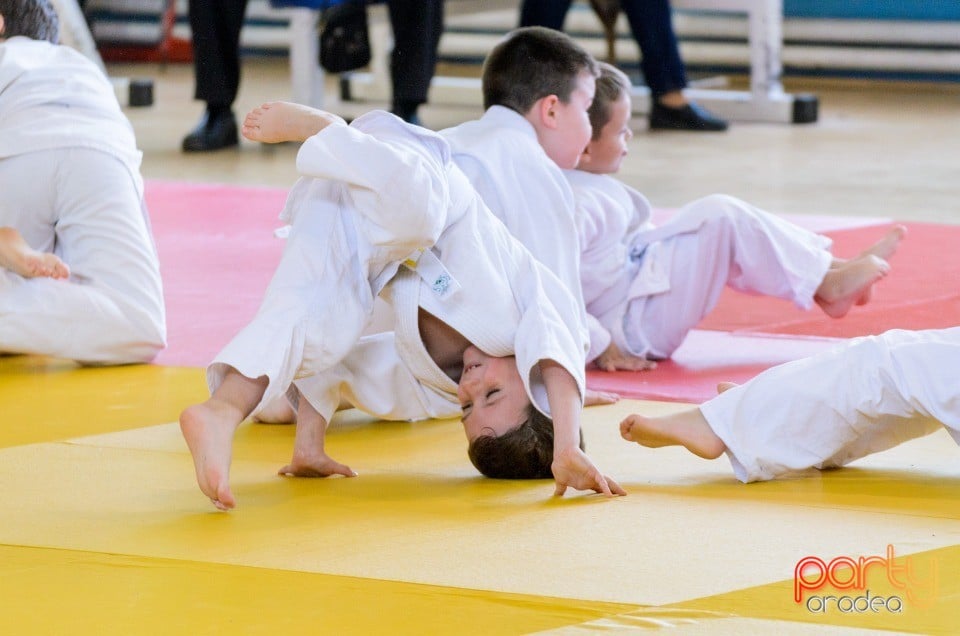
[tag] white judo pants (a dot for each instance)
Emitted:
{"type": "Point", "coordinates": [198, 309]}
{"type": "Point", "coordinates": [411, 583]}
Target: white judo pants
{"type": "Point", "coordinates": [322, 295]}
{"type": "Point", "coordinates": [828, 410]}
{"type": "Point", "coordinates": [84, 206]}
{"type": "Point", "coordinates": [733, 244]}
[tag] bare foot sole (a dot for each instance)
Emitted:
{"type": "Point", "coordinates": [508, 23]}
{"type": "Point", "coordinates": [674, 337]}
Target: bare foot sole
{"type": "Point", "coordinates": [209, 436]}
{"type": "Point", "coordinates": [850, 284]}
{"type": "Point", "coordinates": [687, 429]}
{"type": "Point", "coordinates": [276, 122]}
{"type": "Point", "coordinates": [18, 257]}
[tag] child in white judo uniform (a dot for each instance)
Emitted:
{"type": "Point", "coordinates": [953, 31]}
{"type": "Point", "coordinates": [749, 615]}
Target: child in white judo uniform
{"type": "Point", "coordinates": [537, 86]}
{"type": "Point", "coordinates": [79, 275]}
{"type": "Point", "coordinates": [647, 286]}
{"type": "Point", "coordinates": [481, 327]}
{"type": "Point", "coordinates": [825, 411]}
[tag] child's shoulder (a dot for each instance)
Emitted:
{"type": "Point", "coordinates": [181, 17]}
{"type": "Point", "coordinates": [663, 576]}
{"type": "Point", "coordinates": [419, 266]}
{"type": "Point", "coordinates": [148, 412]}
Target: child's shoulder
{"type": "Point", "coordinates": [581, 179]}
{"type": "Point", "coordinates": [498, 126]}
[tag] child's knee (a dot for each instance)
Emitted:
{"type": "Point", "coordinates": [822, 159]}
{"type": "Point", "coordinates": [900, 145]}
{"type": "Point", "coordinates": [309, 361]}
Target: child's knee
{"type": "Point", "coordinates": [717, 209]}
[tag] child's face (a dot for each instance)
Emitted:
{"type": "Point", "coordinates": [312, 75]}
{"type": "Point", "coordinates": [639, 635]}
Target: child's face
{"type": "Point", "coordinates": [491, 394]}
{"type": "Point", "coordinates": [570, 131]}
{"type": "Point", "coordinates": [605, 153]}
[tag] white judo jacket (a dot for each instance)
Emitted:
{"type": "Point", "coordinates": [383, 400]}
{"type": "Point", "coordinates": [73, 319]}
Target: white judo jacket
{"type": "Point", "coordinates": [381, 209]}
{"type": "Point", "coordinates": [52, 97]}
{"type": "Point", "coordinates": [524, 188]}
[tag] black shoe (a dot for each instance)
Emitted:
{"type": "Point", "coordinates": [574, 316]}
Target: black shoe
{"type": "Point", "coordinates": [212, 133]}
{"type": "Point", "coordinates": [689, 117]}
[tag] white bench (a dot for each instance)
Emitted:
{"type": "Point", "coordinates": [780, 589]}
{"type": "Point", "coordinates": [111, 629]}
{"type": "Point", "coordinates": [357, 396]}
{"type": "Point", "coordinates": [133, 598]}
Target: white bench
{"type": "Point", "coordinates": [766, 100]}
{"type": "Point", "coordinates": [306, 74]}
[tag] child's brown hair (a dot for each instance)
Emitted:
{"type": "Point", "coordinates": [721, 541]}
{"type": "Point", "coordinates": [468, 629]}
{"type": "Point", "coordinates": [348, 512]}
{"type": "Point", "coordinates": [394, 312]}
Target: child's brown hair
{"type": "Point", "coordinates": [611, 85]}
{"type": "Point", "coordinates": [526, 452]}
{"type": "Point", "coordinates": [532, 63]}
{"type": "Point", "coordinates": [35, 19]}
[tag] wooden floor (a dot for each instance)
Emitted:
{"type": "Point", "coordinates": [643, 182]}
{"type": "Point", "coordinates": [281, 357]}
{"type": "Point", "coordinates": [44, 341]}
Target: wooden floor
{"type": "Point", "coordinates": [879, 149]}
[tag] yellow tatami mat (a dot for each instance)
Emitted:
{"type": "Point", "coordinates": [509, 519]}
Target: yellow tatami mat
{"type": "Point", "coordinates": [47, 399]}
{"type": "Point", "coordinates": [103, 530]}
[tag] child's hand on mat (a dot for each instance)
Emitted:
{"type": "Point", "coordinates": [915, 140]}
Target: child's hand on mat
{"type": "Point", "coordinates": [316, 465]}
{"type": "Point", "coordinates": [572, 468]}
{"type": "Point", "coordinates": [615, 360]}
{"type": "Point", "coordinates": [596, 398]}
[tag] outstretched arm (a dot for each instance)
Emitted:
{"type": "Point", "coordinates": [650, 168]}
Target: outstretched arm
{"type": "Point", "coordinates": [571, 466]}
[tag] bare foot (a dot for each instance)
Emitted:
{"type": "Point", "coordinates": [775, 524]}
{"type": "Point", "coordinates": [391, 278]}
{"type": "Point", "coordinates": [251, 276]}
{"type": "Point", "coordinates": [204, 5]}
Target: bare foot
{"type": "Point", "coordinates": [723, 387]}
{"type": "Point", "coordinates": [888, 244]}
{"type": "Point", "coordinates": [208, 429]}
{"type": "Point", "coordinates": [686, 428]}
{"type": "Point", "coordinates": [884, 248]}
{"type": "Point", "coordinates": [316, 465]}
{"type": "Point", "coordinates": [276, 122]}
{"type": "Point", "coordinates": [863, 298]}
{"type": "Point", "coordinates": [849, 284]}
{"type": "Point", "coordinates": [18, 257]}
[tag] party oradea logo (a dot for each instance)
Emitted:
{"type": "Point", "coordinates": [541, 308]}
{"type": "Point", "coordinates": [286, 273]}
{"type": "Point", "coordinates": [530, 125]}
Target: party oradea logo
{"type": "Point", "coordinates": [865, 584]}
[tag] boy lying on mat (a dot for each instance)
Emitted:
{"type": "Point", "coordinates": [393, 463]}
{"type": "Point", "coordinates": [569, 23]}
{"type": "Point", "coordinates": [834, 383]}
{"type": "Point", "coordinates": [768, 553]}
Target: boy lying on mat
{"type": "Point", "coordinates": [79, 276]}
{"type": "Point", "coordinates": [863, 397]}
{"type": "Point", "coordinates": [480, 327]}
{"type": "Point", "coordinates": [641, 289]}
{"type": "Point", "coordinates": [647, 286]}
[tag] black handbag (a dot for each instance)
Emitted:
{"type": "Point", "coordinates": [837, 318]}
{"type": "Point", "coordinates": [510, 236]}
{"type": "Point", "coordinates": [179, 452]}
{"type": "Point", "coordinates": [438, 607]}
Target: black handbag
{"type": "Point", "coordinates": [344, 38]}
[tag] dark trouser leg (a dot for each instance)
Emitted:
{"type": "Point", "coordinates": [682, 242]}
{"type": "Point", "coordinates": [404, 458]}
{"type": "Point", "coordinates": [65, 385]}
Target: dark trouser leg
{"type": "Point", "coordinates": [663, 70]}
{"type": "Point", "coordinates": [652, 27]}
{"type": "Point", "coordinates": [546, 13]}
{"type": "Point", "coordinates": [216, 28]}
{"type": "Point", "coordinates": [417, 26]}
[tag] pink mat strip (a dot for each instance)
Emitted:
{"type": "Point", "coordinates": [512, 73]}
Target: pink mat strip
{"type": "Point", "coordinates": [218, 253]}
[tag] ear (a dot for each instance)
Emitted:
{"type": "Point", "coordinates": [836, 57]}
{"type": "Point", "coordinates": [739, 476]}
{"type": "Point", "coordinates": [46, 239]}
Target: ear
{"type": "Point", "coordinates": [547, 111]}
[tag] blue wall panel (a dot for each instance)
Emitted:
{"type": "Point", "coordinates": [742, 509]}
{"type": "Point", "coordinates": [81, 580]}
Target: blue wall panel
{"type": "Point", "coordinates": [874, 9]}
